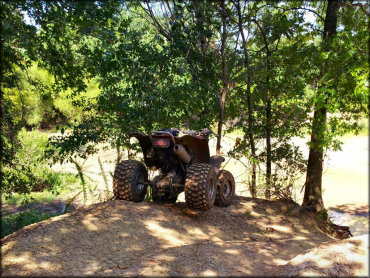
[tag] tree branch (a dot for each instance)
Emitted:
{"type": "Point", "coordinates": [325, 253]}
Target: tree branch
{"type": "Point", "coordinates": [150, 13]}
{"type": "Point", "coordinates": [344, 4]}
{"type": "Point", "coordinates": [302, 8]}
{"type": "Point", "coordinates": [264, 36]}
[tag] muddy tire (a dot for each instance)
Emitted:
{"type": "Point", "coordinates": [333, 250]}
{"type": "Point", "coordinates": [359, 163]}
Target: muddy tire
{"type": "Point", "coordinates": [129, 181]}
{"type": "Point", "coordinates": [200, 186]}
{"type": "Point", "coordinates": [225, 189]}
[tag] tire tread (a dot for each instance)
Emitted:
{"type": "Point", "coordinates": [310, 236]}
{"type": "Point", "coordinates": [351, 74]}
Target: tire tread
{"type": "Point", "coordinates": [195, 186]}
{"type": "Point", "coordinates": [122, 179]}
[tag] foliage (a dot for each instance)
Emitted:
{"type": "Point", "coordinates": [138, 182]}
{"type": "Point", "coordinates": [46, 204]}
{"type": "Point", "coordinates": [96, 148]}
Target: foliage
{"type": "Point", "coordinates": [275, 92]}
{"type": "Point", "coordinates": [289, 167]}
{"type": "Point", "coordinates": [109, 68]}
{"type": "Point", "coordinates": [28, 170]}
{"type": "Point", "coordinates": [15, 222]}
{"type": "Point", "coordinates": [63, 185]}
{"type": "Point", "coordinates": [36, 103]}
{"type": "Point", "coordinates": [322, 215]}
{"type": "Point", "coordinates": [343, 89]}
{"type": "Point", "coordinates": [144, 86]}
{"type": "Point", "coordinates": [29, 91]}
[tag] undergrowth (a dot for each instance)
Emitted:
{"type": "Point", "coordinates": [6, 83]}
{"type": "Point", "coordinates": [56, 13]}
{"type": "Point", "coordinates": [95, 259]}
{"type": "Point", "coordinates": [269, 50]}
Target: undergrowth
{"type": "Point", "coordinates": [14, 222]}
{"type": "Point", "coordinates": [62, 184]}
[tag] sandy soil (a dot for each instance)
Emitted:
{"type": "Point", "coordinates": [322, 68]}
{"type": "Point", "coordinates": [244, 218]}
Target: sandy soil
{"type": "Point", "coordinates": [251, 237]}
{"type": "Point", "coordinates": [345, 258]}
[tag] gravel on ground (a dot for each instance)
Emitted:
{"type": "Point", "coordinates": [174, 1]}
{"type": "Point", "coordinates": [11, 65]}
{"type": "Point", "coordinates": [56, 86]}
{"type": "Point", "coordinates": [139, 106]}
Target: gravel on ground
{"type": "Point", "coordinates": [252, 237]}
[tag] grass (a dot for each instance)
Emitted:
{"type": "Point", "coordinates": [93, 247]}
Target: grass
{"type": "Point", "coordinates": [67, 182]}
{"type": "Point", "coordinates": [35, 197]}
{"type": "Point", "coordinates": [14, 222]}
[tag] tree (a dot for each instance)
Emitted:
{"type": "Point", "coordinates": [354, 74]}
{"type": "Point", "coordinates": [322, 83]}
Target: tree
{"type": "Point", "coordinates": [341, 89]}
{"type": "Point", "coordinates": [145, 86]}
{"type": "Point", "coordinates": [274, 93]}
{"type": "Point", "coordinates": [225, 82]}
{"type": "Point", "coordinates": [249, 99]}
{"type": "Point", "coordinates": [193, 29]}
{"type": "Point", "coordinates": [23, 45]}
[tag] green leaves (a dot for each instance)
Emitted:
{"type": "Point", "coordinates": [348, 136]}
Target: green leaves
{"type": "Point", "coordinates": [148, 74]}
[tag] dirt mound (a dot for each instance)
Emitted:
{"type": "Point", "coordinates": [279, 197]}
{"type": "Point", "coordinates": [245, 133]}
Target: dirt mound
{"type": "Point", "coordinates": [251, 237]}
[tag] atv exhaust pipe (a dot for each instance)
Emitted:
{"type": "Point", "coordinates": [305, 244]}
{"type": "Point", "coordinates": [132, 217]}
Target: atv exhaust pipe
{"type": "Point", "coordinates": [181, 153]}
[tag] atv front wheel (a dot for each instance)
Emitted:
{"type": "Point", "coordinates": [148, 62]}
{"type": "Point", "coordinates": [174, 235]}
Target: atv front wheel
{"type": "Point", "coordinates": [225, 189]}
{"type": "Point", "coordinates": [200, 186]}
{"type": "Point", "coordinates": [129, 181]}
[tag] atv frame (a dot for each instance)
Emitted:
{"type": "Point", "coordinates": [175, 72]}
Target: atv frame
{"type": "Point", "coordinates": [185, 164]}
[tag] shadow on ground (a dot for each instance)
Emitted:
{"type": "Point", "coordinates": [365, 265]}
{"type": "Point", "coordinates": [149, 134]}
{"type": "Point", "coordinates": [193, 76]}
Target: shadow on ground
{"type": "Point", "coordinates": [251, 237]}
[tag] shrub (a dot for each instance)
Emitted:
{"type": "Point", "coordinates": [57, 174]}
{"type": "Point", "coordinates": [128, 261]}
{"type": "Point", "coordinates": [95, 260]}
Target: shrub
{"type": "Point", "coordinates": [14, 222]}
{"type": "Point", "coordinates": [63, 183]}
{"type": "Point", "coordinates": [28, 170]}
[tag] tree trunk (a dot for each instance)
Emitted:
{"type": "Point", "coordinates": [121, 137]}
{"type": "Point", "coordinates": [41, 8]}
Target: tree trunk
{"type": "Point", "coordinates": [268, 124]}
{"type": "Point", "coordinates": [224, 80]}
{"type": "Point", "coordinates": [252, 188]}
{"type": "Point", "coordinates": [200, 24]}
{"type": "Point", "coordinates": [312, 195]}
{"type": "Point", "coordinates": [221, 119]}
{"type": "Point", "coordinates": [268, 136]}
{"type": "Point", "coordinates": [312, 199]}
{"type": "Point", "coordinates": [268, 115]}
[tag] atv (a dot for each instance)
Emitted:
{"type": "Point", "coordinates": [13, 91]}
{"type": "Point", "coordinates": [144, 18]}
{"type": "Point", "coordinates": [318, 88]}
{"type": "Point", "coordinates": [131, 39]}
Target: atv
{"type": "Point", "coordinates": [185, 165]}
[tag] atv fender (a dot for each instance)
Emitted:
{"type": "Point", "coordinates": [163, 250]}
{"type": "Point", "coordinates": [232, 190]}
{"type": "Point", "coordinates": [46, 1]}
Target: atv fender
{"type": "Point", "coordinates": [145, 144]}
{"type": "Point", "coordinates": [197, 148]}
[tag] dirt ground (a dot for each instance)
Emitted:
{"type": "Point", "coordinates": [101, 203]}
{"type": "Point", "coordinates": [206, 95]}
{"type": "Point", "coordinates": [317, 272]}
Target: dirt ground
{"type": "Point", "coordinates": [335, 259]}
{"type": "Point", "coordinates": [252, 237]}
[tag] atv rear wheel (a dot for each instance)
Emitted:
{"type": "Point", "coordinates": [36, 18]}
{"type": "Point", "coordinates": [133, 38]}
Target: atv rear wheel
{"type": "Point", "coordinates": [225, 189]}
{"type": "Point", "coordinates": [200, 186]}
{"type": "Point", "coordinates": [129, 181]}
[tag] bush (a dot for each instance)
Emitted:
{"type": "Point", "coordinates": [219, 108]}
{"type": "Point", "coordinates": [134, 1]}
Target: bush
{"type": "Point", "coordinates": [14, 222]}
{"type": "Point", "coordinates": [289, 166]}
{"type": "Point", "coordinates": [29, 170]}
{"type": "Point", "coordinates": [63, 184]}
